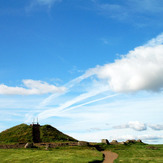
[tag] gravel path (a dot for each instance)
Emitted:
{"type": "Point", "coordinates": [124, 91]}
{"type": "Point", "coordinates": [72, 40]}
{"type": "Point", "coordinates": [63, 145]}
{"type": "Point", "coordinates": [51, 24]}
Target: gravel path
{"type": "Point", "coordinates": [109, 156]}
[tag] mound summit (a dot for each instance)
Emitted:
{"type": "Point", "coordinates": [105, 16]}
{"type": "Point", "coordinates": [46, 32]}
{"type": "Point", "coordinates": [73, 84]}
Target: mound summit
{"type": "Point", "coordinates": [24, 133]}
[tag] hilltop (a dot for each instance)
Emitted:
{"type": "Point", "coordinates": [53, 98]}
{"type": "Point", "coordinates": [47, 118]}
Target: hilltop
{"type": "Point", "coordinates": [23, 133]}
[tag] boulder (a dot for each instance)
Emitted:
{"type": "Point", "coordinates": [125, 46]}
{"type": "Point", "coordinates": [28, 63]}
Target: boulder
{"type": "Point", "coordinates": [131, 141]}
{"type": "Point", "coordinates": [114, 142]}
{"type": "Point", "coordinates": [139, 141]}
{"type": "Point", "coordinates": [83, 143]}
{"type": "Point", "coordinates": [122, 143]}
{"type": "Point", "coordinates": [105, 141]}
{"type": "Point", "coordinates": [29, 145]}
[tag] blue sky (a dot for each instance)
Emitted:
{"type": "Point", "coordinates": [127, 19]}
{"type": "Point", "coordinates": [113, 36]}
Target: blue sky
{"type": "Point", "coordinates": [91, 68]}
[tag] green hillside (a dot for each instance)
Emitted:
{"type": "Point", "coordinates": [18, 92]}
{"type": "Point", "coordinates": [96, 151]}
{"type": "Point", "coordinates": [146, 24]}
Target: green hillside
{"type": "Point", "coordinates": [51, 134]}
{"type": "Point", "coordinates": [19, 133]}
{"type": "Point", "coordinates": [23, 133]}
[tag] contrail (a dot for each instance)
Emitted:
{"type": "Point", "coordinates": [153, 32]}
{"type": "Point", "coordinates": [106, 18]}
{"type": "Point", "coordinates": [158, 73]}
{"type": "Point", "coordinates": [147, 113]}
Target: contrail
{"type": "Point", "coordinates": [90, 102]}
{"type": "Point", "coordinates": [58, 111]}
{"type": "Point", "coordinates": [68, 86]}
{"type": "Point", "coordinates": [77, 99]}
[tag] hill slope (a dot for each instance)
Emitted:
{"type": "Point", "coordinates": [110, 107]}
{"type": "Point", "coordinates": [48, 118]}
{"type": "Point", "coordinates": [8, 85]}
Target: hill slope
{"type": "Point", "coordinates": [23, 133]}
{"type": "Point", "coordinates": [51, 134]}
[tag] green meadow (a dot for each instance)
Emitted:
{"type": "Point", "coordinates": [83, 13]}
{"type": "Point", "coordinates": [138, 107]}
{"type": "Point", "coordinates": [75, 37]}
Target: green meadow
{"type": "Point", "coordinates": [130, 153]}
{"type": "Point", "coordinates": [57, 155]}
{"type": "Point", "coordinates": [136, 153]}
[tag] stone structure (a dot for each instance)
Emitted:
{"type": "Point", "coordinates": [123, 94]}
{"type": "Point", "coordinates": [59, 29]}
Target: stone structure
{"type": "Point", "coordinates": [114, 142]}
{"type": "Point", "coordinates": [123, 143]}
{"type": "Point", "coordinates": [131, 141]}
{"type": "Point", "coordinates": [105, 141]}
{"type": "Point", "coordinates": [83, 143]}
{"type": "Point", "coordinates": [36, 132]}
{"type": "Point", "coordinates": [139, 141]}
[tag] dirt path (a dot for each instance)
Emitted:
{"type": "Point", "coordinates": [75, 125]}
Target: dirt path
{"type": "Point", "coordinates": [109, 156]}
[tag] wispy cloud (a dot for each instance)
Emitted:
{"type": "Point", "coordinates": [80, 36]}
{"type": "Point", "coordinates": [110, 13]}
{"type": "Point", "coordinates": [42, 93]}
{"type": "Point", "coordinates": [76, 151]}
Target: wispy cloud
{"type": "Point", "coordinates": [105, 41]}
{"type": "Point", "coordinates": [33, 87]}
{"type": "Point", "coordinates": [48, 3]}
{"type": "Point", "coordinates": [69, 104]}
{"type": "Point", "coordinates": [34, 4]}
{"type": "Point", "coordinates": [129, 10]}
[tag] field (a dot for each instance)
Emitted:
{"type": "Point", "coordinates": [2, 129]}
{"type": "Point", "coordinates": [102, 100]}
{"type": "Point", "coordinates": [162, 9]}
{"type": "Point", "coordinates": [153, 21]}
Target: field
{"type": "Point", "coordinates": [137, 153]}
{"type": "Point", "coordinates": [58, 155]}
{"type": "Point", "coordinates": [131, 153]}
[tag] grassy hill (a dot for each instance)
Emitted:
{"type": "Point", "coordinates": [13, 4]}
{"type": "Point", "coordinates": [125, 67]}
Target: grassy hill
{"type": "Point", "coordinates": [23, 133]}
{"type": "Point", "coordinates": [51, 134]}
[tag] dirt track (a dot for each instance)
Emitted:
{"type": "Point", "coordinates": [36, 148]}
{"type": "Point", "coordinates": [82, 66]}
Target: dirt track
{"type": "Point", "coordinates": [109, 156]}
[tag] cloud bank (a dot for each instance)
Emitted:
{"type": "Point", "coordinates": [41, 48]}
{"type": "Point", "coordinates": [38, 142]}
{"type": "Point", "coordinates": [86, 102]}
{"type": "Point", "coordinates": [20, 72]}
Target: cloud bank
{"type": "Point", "coordinates": [135, 125]}
{"type": "Point", "coordinates": [138, 126]}
{"type": "Point", "coordinates": [156, 127]}
{"type": "Point", "coordinates": [140, 69]}
{"type": "Point", "coordinates": [33, 87]}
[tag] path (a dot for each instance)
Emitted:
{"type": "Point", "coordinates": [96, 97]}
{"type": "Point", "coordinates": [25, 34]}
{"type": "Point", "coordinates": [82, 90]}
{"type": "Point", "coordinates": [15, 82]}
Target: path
{"type": "Point", "coordinates": [109, 156]}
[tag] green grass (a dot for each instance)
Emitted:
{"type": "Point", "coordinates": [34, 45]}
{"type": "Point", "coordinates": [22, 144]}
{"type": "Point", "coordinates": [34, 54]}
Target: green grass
{"type": "Point", "coordinates": [51, 134]}
{"type": "Point", "coordinates": [23, 133]}
{"type": "Point", "coordinates": [19, 133]}
{"type": "Point", "coordinates": [59, 155]}
{"type": "Point", "coordinates": [137, 153]}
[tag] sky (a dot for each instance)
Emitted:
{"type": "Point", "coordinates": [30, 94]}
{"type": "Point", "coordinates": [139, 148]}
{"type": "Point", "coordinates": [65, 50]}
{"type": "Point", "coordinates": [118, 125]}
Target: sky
{"type": "Point", "coordinates": [93, 69]}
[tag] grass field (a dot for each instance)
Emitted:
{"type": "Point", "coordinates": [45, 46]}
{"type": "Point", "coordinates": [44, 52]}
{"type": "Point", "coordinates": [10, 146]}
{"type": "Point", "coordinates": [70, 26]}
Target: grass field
{"type": "Point", "coordinates": [137, 153]}
{"type": "Point", "coordinates": [132, 153]}
{"type": "Point", "coordinates": [59, 155]}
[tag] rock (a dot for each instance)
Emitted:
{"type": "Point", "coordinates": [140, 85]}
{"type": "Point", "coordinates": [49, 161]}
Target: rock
{"type": "Point", "coordinates": [105, 141]}
{"type": "Point", "coordinates": [47, 147]}
{"type": "Point", "coordinates": [122, 143]}
{"type": "Point", "coordinates": [139, 141]}
{"type": "Point", "coordinates": [131, 141]}
{"type": "Point", "coordinates": [114, 142]}
{"type": "Point", "coordinates": [28, 145]}
{"type": "Point", "coordinates": [83, 143]}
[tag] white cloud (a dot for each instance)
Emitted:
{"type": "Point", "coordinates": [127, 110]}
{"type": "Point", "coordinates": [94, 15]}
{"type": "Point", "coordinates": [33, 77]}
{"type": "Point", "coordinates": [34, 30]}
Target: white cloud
{"type": "Point", "coordinates": [140, 69]}
{"type": "Point", "coordinates": [135, 125]}
{"type": "Point", "coordinates": [156, 127]}
{"type": "Point", "coordinates": [34, 87]}
{"type": "Point", "coordinates": [156, 41]}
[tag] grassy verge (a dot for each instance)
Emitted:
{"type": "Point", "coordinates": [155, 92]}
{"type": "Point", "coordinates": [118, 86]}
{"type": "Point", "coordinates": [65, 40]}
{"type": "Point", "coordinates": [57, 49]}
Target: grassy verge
{"type": "Point", "coordinates": [59, 155]}
{"type": "Point", "coordinates": [137, 153]}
